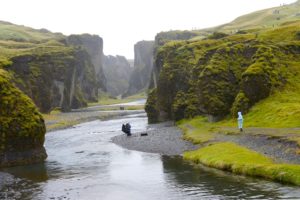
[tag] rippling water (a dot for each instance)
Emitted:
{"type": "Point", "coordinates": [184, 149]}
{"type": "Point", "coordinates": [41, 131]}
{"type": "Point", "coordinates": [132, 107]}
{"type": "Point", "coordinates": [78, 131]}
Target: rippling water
{"type": "Point", "coordinates": [83, 164]}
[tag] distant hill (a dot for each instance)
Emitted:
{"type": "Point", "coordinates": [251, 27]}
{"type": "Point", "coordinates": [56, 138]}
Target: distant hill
{"type": "Point", "coordinates": [271, 17]}
{"type": "Point", "coordinates": [267, 18]}
{"type": "Point", "coordinates": [9, 31]}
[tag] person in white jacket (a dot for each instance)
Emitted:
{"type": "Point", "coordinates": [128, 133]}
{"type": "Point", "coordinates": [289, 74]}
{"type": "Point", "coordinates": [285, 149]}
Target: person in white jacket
{"type": "Point", "coordinates": [240, 121]}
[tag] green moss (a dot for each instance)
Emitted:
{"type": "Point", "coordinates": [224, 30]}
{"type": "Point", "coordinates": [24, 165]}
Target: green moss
{"type": "Point", "coordinates": [22, 126]}
{"type": "Point", "coordinates": [217, 35]}
{"type": "Point", "coordinates": [240, 104]}
{"type": "Point", "coordinates": [214, 71]}
{"type": "Point", "coordinates": [241, 160]}
{"type": "Point", "coordinates": [151, 107]}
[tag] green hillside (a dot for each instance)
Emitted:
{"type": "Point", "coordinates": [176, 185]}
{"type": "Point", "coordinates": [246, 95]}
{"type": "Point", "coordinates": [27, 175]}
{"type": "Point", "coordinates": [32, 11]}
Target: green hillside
{"type": "Point", "coordinates": [271, 17]}
{"type": "Point", "coordinates": [16, 40]}
{"type": "Point", "coordinates": [9, 31]}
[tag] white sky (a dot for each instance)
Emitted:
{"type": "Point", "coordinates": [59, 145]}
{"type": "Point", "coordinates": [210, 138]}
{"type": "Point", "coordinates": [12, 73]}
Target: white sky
{"type": "Point", "coordinates": [122, 23]}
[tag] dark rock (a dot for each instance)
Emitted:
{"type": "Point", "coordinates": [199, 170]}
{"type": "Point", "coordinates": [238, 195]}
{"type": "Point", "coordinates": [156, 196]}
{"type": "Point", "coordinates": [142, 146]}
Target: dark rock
{"type": "Point", "coordinates": [143, 64]}
{"type": "Point", "coordinates": [117, 71]}
{"type": "Point", "coordinates": [62, 79]}
{"type": "Point", "coordinates": [93, 44]}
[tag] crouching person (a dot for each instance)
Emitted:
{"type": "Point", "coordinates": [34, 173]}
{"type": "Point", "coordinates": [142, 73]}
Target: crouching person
{"type": "Point", "coordinates": [126, 129]}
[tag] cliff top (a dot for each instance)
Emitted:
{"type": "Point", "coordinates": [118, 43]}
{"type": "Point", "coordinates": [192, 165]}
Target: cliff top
{"type": "Point", "coordinates": [9, 31]}
{"type": "Point", "coordinates": [267, 18]}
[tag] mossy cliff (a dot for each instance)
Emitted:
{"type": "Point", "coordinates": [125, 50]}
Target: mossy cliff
{"type": "Point", "coordinates": [93, 44]}
{"type": "Point", "coordinates": [52, 69]}
{"type": "Point", "coordinates": [143, 64]}
{"type": "Point", "coordinates": [64, 78]}
{"type": "Point", "coordinates": [218, 76]}
{"type": "Point", "coordinates": [22, 127]}
{"type": "Point", "coordinates": [164, 37]}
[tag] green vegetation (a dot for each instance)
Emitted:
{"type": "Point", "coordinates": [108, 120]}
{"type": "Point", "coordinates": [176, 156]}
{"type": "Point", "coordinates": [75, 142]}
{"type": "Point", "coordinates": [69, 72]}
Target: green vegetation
{"type": "Point", "coordinates": [57, 120]}
{"type": "Point", "coordinates": [268, 18]}
{"type": "Point", "coordinates": [218, 77]}
{"type": "Point", "coordinates": [248, 65]}
{"type": "Point", "coordinates": [150, 107]}
{"type": "Point", "coordinates": [255, 22]}
{"type": "Point", "coordinates": [106, 99]}
{"type": "Point", "coordinates": [240, 160]}
{"type": "Point", "coordinates": [42, 66]}
{"type": "Point", "coordinates": [22, 126]}
{"type": "Point", "coordinates": [197, 130]}
{"type": "Point", "coordinates": [19, 33]}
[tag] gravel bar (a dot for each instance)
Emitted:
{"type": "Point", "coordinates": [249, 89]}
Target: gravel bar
{"type": "Point", "coordinates": [162, 140]}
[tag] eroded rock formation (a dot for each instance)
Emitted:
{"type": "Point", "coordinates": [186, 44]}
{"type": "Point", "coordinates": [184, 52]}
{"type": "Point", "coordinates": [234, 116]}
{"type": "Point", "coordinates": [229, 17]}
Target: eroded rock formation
{"type": "Point", "coordinates": [143, 64]}
{"type": "Point", "coordinates": [117, 71]}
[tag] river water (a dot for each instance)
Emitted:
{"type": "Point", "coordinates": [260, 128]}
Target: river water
{"type": "Point", "coordinates": [83, 163]}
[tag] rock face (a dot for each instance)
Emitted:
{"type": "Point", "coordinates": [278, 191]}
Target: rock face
{"type": "Point", "coordinates": [52, 69]}
{"type": "Point", "coordinates": [22, 128]}
{"type": "Point", "coordinates": [218, 77]}
{"type": "Point", "coordinates": [117, 71]}
{"type": "Point", "coordinates": [62, 79]}
{"type": "Point", "coordinates": [143, 64]}
{"type": "Point", "coordinates": [161, 39]}
{"type": "Point", "coordinates": [93, 44]}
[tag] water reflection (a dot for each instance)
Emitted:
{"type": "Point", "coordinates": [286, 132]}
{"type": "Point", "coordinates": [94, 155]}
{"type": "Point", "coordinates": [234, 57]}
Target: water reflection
{"type": "Point", "coordinates": [207, 182]}
{"type": "Point", "coordinates": [35, 173]}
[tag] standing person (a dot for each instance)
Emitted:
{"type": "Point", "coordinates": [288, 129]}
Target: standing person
{"type": "Point", "coordinates": [240, 121]}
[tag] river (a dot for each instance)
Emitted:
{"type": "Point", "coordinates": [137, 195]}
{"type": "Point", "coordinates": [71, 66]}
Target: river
{"type": "Point", "coordinates": [83, 163]}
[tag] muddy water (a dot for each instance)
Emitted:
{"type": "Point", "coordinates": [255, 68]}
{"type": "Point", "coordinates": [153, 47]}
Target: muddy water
{"type": "Point", "coordinates": [83, 164]}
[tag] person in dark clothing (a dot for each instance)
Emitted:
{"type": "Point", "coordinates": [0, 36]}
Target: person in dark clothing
{"type": "Point", "coordinates": [123, 128]}
{"type": "Point", "coordinates": [126, 129]}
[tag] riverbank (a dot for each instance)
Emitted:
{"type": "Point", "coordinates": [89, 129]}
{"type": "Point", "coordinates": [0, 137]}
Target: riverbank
{"type": "Point", "coordinates": [271, 153]}
{"type": "Point", "coordinates": [164, 139]}
{"type": "Point", "coordinates": [59, 120]}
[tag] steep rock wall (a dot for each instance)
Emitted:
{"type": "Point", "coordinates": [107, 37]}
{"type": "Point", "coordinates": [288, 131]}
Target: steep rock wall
{"type": "Point", "coordinates": [218, 77]}
{"type": "Point", "coordinates": [143, 64]}
{"type": "Point", "coordinates": [161, 39]}
{"type": "Point", "coordinates": [62, 79]}
{"type": "Point", "coordinates": [93, 44]}
{"type": "Point", "coordinates": [117, 71]}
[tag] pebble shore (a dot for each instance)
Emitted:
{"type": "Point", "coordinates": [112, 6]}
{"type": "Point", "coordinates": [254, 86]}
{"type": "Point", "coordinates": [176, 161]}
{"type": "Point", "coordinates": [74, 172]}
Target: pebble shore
{"type": "Point", "coordinates": [161, 140]}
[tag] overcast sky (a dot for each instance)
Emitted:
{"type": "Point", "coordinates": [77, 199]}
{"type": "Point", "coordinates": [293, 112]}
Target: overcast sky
{"type": "Point", "coordinates": [122, 23]}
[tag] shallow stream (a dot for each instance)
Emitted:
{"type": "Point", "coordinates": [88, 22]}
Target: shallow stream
{"type": "Point", "coordinates": [83, 163]}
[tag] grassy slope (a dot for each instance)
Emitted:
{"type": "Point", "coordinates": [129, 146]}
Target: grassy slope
{"type": "Point", "coordinates": [16, 40]}
{"type": "Point", "coordinates": [264, 18]}
{"type": "Point", "coordinates": [14, 32]}
{"type": "Point", "coordinates": [241, 160]}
